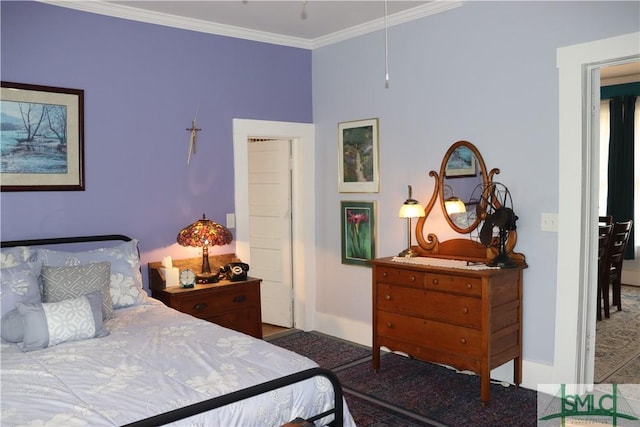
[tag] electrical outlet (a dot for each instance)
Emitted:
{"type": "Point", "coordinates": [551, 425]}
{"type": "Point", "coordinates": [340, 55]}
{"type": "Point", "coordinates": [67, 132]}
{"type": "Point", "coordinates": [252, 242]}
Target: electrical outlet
{"type": "Point", "coordinates": [549, 222]}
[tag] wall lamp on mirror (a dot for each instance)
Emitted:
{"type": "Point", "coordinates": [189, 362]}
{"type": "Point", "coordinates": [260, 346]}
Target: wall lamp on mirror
{"type": "Point", "coordinates": [453, 204]}
{"type": "Point", "coordinates": [411, 208]}
{"type": "Point", "coordinates": [204, 233]}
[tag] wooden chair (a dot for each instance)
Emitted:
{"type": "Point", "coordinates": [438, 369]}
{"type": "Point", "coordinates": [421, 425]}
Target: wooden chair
{"type": "Point", "coordinates": [604, 236]}
{"type": "Point", "coordinates": [605, 219]}
{"type": "Point", "coordinates": [619, 238]}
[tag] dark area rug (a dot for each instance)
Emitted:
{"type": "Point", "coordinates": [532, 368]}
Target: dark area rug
{"type": "Point", "coordinates": [407, 392]}
{"type": "Point", "coordinates": [328, 352]}
{"type": "Point", "coordinates": [441, 394]}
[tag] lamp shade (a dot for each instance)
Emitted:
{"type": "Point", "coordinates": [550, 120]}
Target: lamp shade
{"type": "Point", "coordinates": [203, 233]}
{"type": "Point", "coordinates": [411, 209]}
{"type": "Point", "coordinates": [454, 205]}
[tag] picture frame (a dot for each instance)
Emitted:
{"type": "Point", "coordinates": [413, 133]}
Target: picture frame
{"type": "Point", "coordinates": [358, 231]}
{"type": "Point", "coordinates": [42, 138]}
{"type": "Point", "coordinates": [462, 162]}
{"type": "Point", "coordinates": [358, 156]}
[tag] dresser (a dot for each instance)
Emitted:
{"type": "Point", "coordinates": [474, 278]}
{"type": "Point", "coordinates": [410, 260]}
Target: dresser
{"type": "Point", "coordinates": [234, 305]}
{"type": "Point", "coordinates": [466, 318]}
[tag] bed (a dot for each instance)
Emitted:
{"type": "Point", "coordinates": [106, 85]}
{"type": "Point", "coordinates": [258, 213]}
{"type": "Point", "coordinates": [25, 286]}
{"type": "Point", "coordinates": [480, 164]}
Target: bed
{"type": "Point", "coordinates": [140, 363]}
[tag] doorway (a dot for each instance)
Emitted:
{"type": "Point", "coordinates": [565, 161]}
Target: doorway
{"type": "Point", "coordinates": [302, 140]}
{"type": "Point", "coordinates": [579, 67]}
{"type": "Point", "coordinates": [270, 227]}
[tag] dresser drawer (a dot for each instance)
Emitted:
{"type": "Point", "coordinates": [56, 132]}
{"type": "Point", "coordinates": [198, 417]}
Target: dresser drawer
{"type": "Point", "coordinates": [400, 276]}
{"type": "Point", "coordinates": [451, 283]}
{"type": "Point", "coordinates": [430, 334]}
{"type": "Point", "coordinates": [217, 300]}
{"type": "Point", "coordinates": [440, 306]}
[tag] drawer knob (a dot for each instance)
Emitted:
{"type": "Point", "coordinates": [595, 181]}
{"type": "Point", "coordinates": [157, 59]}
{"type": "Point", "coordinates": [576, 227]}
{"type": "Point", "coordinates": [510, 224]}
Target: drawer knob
{"type": "Point", "coordinates": [435, 281]}
{"type": "Point", "coordinates": [389, 325]}
{"type": "Point", "coordinates": [239, 298]}
{"type": "Point", "coordinates": [200, 306]}
{"type": "Point", "coordinates": [387, 297]}
{"type": "Point", "coordinates": [412, 278]}
{"type": "Point", "coordinates": [385, 274]}
{"type": "Point", "coordinates": [463, 340]}
{"type": "Point", "coordinates": [469, 286]}
{"type": "Point", "coordinates": [465, 310]}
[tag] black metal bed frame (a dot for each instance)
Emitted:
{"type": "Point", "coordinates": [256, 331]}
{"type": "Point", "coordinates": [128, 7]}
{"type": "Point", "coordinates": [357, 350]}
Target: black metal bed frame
{"type": "Point", "coordinates": [216, 402]}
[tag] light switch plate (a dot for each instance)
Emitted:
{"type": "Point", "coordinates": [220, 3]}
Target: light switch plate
{"type": "Point", "coordinates": [549, 222]}
{"type": "Point", "coordinates": [231, 220]}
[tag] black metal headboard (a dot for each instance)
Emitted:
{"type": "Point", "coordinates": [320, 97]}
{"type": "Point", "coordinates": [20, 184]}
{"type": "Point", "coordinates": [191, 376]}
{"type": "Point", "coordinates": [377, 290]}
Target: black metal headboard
{"type": "Point", "coordinates": [63, 240]}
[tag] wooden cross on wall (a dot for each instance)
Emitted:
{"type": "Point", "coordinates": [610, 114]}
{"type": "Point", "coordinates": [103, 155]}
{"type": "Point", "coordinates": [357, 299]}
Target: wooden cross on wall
{"type": "Point", "coordinates": [193, 136]}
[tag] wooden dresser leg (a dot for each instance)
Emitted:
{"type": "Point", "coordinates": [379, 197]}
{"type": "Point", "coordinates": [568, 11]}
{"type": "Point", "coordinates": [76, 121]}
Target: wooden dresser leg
{"type": "Point", "coordinates": [485, 384]}
{"type": "Point", "coordinates": [375, 353]}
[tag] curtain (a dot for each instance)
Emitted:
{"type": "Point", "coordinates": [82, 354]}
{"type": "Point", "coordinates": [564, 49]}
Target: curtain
{"type": "Point", "coordinates": [621, 165]}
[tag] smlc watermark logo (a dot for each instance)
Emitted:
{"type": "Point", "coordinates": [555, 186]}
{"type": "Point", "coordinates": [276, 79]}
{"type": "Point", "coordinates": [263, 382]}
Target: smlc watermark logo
{"type": "Point", "coordinates": [604, 405]}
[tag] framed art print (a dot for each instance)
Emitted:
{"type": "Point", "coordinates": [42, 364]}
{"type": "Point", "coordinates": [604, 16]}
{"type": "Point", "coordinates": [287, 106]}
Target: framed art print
{"type": "Point", "coordinates": [358, 157]}
{"type": "Point", "coordinates": [358, 235]}
{"type": "Point", "coordinates": [462, 162]}
{"type": "Point", "coordinates": [42, 138]}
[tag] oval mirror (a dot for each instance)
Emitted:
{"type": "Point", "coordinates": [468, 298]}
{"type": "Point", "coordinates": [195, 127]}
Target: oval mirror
{"type": "Point", "coordinates": [461, 172]}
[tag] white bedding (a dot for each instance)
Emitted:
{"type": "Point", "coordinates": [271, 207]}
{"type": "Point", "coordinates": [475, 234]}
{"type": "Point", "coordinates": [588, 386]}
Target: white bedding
{"type": "Point", "coordinates": [155, 360]}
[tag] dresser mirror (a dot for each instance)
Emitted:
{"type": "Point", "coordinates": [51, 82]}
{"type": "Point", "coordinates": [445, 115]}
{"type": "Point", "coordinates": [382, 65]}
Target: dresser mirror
{"type": "Point", "coordinates": [461, 172]}
{"type": "Point", "coordinates": [457, 191]}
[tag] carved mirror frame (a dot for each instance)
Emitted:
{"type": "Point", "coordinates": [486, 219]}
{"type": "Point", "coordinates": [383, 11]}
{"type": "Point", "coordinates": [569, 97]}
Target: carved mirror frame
{"type": "Point", "coordinates": [462, 163]}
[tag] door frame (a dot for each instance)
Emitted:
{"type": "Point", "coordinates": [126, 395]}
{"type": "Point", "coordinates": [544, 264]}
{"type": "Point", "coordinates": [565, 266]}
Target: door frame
{"type": "Point", "coordinates": [303, 244]}
{"type": "Point", "coordinates": [575, 312]}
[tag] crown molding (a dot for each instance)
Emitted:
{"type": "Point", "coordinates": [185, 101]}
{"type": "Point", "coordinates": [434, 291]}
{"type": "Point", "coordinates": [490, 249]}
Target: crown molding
{"type": "Point", "coordinates": [158, 18]}
{"type": "Point", "coordinates": [392, 20]}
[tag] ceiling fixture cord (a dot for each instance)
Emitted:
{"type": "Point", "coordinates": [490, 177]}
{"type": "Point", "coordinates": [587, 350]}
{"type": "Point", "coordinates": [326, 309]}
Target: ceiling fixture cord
{"type": "Point", "coordinates": [386, 49]}
{"type": "Point", "coordinates": [303, 16]}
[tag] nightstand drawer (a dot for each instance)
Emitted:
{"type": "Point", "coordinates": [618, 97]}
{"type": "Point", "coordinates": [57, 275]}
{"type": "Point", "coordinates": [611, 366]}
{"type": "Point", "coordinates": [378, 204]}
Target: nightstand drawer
{"type": "Point", "coordinates": [245, 320]}
{"type": "Point", "coordinates": [218, 300]}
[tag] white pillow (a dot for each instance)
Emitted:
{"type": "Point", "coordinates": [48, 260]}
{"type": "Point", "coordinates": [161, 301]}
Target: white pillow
{"type": "Point", "coordinates": [49, 324]}
{"type": "Point", "coordinates": [10, 257]}
{"type": "Point", "coordinates": [126, 279]}
{"type": "Point", "coordinates": [19, 284]}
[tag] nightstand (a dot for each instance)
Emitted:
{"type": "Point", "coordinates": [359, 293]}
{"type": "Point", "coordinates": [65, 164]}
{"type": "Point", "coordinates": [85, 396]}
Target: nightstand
{"type": "Point", "coordinates": [234, 305]}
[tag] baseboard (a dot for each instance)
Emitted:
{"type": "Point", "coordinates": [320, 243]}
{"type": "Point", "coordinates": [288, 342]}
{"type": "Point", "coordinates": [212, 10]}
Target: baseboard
{"type": "Point", "coordinates": [533, 373]}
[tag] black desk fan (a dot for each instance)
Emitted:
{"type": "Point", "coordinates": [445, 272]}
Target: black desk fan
{"type": "Point", "coordinates": [495, 209]}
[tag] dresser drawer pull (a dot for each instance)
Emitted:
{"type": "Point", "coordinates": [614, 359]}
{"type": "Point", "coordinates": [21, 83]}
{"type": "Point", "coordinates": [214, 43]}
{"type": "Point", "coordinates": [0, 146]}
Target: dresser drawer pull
{"type": "Point", "coordinates": [389, 325]}
{"type": "Point", "coordinates": [387, 297]}
{"type": "Point", "coordinates": [463, 340]}
{"type": "Point", "coordinates": [385, 274]}
{"type": "Point", "coordinates": [412, 278]}
{"type": "Point", "coordinates": [239, 298]}
{"type": "Point", "coordinates": [200, 306]}
{"type": "Point", "coordinates": [469, 286]}
{"type": "Point", "coordinates": [465, 310]}
{"type": "Point", "coordinates": [435, 281]}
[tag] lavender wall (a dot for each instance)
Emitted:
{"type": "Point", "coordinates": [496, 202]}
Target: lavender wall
{"type": "Point", "coordinates": [142, 85]}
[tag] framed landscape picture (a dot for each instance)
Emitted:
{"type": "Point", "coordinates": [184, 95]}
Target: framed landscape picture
{"type": "Point", "coordinates": [358, 157]}
{"type": "Point", "coordinates": [462, 162]}
{"type": "Point", "coordinates": [358, 235]}
{"type": "Point", "coordinates": [42, 138]}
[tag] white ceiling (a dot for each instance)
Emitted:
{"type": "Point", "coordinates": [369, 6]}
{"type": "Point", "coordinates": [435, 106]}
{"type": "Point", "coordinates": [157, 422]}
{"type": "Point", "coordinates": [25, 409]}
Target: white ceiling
{"type": "Point", "coordinates": [280, 22]}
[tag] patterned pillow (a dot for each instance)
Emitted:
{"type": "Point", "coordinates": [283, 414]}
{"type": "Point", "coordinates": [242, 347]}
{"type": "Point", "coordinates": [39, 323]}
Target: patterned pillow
{"type": "Point", "coordinates": [10, 257]}
{"type": "Point", "coordinates": [126, 279]}
{"type": "Point", "coordinates": [19, 284]}
{"type": "Point", "coordinates": [61, 283]}
{"type": "Point", "coordinates": [49, 324]}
